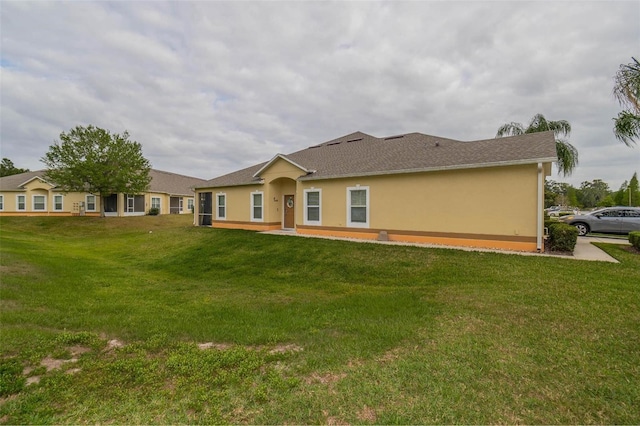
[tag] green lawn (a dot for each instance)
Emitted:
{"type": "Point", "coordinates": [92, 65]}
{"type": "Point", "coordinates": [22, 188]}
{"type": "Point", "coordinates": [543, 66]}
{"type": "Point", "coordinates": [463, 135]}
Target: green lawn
{"type": "Point", "coordinates": [305, 330]}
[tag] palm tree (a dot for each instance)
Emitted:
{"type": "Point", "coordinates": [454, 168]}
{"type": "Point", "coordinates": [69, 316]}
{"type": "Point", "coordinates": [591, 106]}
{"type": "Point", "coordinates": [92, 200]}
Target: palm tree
{"type": "Point", "coordinates": [627, 91]}
{"type": "Point", "coordinates": [567, 153]}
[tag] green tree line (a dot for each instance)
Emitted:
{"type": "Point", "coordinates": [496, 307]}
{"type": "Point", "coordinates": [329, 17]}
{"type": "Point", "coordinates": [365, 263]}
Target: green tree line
{"type": "Point", "coordinates": [592, 194]}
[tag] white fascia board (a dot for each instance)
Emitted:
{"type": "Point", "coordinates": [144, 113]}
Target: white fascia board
{"type": "Point", "coordinates": [274, 159]}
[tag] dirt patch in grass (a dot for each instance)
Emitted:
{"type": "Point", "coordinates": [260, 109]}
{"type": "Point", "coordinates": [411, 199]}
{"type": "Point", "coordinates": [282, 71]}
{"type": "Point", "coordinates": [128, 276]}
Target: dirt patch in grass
{"type": "Point", "coordinates": [55, 363]}
{"type": "Point", "coordinates": [282, 349]}
{"type": "Point", "coordinates": [279, 349]}
{"type": "Point", "coordinates": [78, 350]}
{"type": "Point", "coordinates": [325, 379]}
{"type": "Point", "coordinates": [367, 414]}
{"type": "Point", "coordinates": [113, 344]}
{"type": "Point", "coordinates": [211, 345]}
{"type": "Point", "coordinates": [332, 420]}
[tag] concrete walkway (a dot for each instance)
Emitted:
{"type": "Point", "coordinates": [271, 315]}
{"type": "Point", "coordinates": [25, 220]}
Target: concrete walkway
{"type": "Point", "coordinates": [584, 250]}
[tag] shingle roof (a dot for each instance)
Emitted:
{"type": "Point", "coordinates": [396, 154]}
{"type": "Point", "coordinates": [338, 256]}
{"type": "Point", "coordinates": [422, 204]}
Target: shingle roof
{"type": "Point", "coordinates": [359, 154]}
{"type": "Point", "coordinates": [162, 182]}
{"type": "Point", "coordinates": [15, 182]}
{"type": "Point", "coordinates": [173, 184]}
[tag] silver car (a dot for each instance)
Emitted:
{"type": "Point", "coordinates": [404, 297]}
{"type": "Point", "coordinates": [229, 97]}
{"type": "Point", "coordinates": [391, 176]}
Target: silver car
{"type": "Point", "coordinates": [610, 220]}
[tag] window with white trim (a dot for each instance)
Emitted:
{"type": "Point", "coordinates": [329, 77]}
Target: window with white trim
{"type": "Point", "coordinates": [91, 203]}
{"type": "Point", "coordinates": [155, 203]}
{"type": "Point", "coordinates": [221, 206]}
{"type": "Point", "coordinates": [190, 204]}
{"type": "Point", "coordinates": [312, 206]}
{"type": "Point", "coordinates": [1, 202]}
{"type": "Point", "coordinates": [57, 202]}
{"type": "Point", "coordinates": [21, 202]}
{"type": "Point", "coordinates": [39, 203]}
{"type": "Point", "coordinates": [358, 206]}
{"type": "Point", "coordinates": [256, 206]}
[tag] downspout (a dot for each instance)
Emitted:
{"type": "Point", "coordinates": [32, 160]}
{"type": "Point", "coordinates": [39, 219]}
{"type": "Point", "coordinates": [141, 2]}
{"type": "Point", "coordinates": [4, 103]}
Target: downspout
{"type": "Point", "coordinates": [540, 206]}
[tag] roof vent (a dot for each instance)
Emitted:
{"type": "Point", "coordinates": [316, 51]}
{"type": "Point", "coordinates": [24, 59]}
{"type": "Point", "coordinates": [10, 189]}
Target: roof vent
{"type": "Point", "coordinates": [394, 137]}
{"type": "Point", "coordinates": [437, 143]}
{"type": "Point", "coordinates": [354, 140]}
{"type": "Point", "coordinates": [334, 143]}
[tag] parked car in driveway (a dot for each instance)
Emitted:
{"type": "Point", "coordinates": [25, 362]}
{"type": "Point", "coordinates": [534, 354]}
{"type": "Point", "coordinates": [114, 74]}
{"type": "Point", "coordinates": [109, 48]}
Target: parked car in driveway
{"type": "Point", "coordinates": [610, 220]}
{"type": "Point", "coordinates": [559, 211]}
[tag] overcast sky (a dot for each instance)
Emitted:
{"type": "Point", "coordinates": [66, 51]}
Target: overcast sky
{"type": "Point", "coordinates": [211, 87]}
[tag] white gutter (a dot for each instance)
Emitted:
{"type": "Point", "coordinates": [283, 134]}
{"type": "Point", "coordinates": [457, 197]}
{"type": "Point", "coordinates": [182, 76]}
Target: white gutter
{"type": "Point", "coordinates": [539, 205]}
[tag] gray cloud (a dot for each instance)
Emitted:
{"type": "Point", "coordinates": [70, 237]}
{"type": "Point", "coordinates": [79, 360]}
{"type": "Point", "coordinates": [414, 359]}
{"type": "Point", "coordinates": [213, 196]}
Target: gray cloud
{"type": "Point", "coordinates": [210, 87]}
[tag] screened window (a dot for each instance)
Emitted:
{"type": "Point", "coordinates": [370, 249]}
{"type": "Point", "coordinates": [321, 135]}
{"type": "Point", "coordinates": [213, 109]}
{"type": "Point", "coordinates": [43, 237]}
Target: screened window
{"type": "Point", "coordinates": [57, 202]}
{"type": "Point", "coordinates": [358, 206]}
{"type": "Point", "coordinates": [256, 206]}
{"type": "Point", "coordinates": [135, 203]}
{"type": "Point", "coordinates": [21, 202]}
{"type": "Point", "coordinates": [39, 202]}
{"type": "Point", "coordinates": [190, 204]}
{"type": "Point", "coordinates": [91, 203]}
{"type": "Point", "coordinates": [1, 202]}
{"type": "Point", "coordinates": [155, 203]}
{"type": "Point", "coordinates": [205, 208]}
{"type": "Point", "coordinates": [312, 199]}
{"type": "Point", "coordinates": [221, 209]}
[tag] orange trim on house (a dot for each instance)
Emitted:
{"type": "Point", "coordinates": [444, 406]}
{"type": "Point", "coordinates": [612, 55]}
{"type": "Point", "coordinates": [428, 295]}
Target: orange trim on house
{"type": "Point", "coordinates": [44, 214]}
{"type": "Point", "coordinates": [515, 243]}
{"type": "Point", "coordinates": [249, 226]}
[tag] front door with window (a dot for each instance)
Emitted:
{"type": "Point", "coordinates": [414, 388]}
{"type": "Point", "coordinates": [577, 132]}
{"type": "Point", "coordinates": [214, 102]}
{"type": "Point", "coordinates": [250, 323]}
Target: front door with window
{"type": "Point", "coordinates": [289, 209]}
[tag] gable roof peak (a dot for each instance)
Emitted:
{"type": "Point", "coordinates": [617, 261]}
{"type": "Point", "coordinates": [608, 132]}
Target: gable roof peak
{"type": "Point", "coordinates": [285, 158]}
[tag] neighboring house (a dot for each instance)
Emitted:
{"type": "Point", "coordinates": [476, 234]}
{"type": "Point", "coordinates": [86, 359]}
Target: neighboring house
{"type": "Point", "coordinates": [31, 194]}
{"type": "Point", "coordinates": [413, 187]}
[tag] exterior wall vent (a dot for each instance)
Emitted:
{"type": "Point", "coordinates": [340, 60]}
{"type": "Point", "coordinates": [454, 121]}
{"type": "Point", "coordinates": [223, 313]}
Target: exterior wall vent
{"type": "Point", "coordinates": [394, 137]}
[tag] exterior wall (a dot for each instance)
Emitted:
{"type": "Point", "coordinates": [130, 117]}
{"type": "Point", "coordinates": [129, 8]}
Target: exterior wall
{"type": "Point", "coordinates": [71, 202]}
{"type": "Point", "coordinates": [238, 208]}
{"type": "Point", "coordinates": [447, 207]}
{"type": "Point", "coordinates": [456, 207]}
{"type": "Point", "coordinates": [165, 202]}
{"type": "Point", "coordinates": [278, 180]}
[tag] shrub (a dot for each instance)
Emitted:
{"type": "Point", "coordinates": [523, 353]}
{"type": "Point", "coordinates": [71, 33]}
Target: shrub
{"type": "Point", "coordinates": [634, 239]}
{"type": "Point", "coordinates": [154, 211]}
{"type": "Point", "coordinates": [562, 237]}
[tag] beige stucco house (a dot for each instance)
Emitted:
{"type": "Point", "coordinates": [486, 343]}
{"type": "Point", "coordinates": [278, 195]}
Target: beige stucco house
{"type": "Point", "coordinates": [412, 187]}
{"type": "Point", "coordinates": [31, 194]}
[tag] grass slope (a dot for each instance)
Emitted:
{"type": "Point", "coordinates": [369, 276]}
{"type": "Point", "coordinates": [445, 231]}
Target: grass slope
{"type": "Point", "coordinates": [305, 330]}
